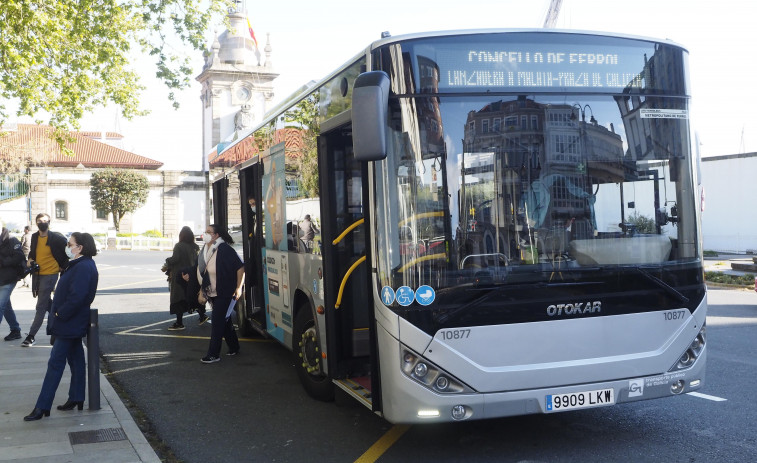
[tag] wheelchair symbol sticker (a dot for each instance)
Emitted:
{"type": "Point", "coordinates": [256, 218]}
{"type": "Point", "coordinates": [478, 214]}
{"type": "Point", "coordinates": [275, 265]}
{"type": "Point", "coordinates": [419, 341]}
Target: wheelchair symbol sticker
{"type": "Point", "coordinates": [425, 295]}
{"type": "Point", "coordinates": [405, 296]}
{"type": "Point", "coordinates": [387, 295]}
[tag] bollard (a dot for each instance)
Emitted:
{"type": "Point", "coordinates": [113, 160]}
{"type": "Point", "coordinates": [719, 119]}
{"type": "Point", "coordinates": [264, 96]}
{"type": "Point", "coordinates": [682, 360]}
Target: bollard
{"type": "Point", "coordinates": [93, 361]}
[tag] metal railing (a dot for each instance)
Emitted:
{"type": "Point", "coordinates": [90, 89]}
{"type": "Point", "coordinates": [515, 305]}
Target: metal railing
{"type": "Point", "coordinates": [13, 186]}
{"type": "Point", "coordinates": [144, 243]}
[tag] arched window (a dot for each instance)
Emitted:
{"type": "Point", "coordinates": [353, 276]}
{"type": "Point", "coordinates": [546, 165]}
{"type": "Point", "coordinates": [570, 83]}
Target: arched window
{"type": "Point", "coordinates": [61, 210]}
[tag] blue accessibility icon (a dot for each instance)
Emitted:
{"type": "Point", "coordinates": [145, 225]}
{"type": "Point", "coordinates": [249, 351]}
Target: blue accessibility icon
{"type": "Point", "coordinates": [387, 295]}
{"type": "Point", "coordinates": [425, 295]}
{"type": "Point", "coordinates": [405, 296]}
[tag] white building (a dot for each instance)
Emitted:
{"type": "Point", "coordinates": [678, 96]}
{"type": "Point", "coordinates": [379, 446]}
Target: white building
{"type": "Point", "coordinates": [59, 186]}
{"type": "Point", "coordinates": [729, 220]}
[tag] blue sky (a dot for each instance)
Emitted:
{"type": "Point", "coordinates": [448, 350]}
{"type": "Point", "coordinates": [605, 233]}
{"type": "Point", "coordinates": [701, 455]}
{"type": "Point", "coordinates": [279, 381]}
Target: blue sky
{"type": "Point", "coordinates": [310, 39]}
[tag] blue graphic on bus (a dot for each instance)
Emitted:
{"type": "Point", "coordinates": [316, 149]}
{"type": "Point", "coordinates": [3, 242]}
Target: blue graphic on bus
{"type": "Point", "coordinates": [387, 295]}
{"type": "Point", "coordinates": [425, 295]}
{"type": "Point", "coordinates": [405, 296]}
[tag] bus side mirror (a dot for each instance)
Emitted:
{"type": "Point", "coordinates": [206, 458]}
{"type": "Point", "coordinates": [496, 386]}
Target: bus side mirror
{"type": "Point", "coordinates": [370, 104]}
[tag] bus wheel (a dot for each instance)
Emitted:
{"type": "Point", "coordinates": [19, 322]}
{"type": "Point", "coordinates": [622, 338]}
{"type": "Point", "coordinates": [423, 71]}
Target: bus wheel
{"type": "Point", "coordinates": [307, 356]}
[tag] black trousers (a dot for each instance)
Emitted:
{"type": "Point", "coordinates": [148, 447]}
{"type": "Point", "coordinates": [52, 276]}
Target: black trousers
{"type": "Point", "coordinates": [222, 327]}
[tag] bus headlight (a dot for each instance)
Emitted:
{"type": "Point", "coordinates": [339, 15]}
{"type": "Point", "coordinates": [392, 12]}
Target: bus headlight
{"type": "Point", "coordinates": [429, 375]}
{"type": "Point", "coordinates": [692, 353]}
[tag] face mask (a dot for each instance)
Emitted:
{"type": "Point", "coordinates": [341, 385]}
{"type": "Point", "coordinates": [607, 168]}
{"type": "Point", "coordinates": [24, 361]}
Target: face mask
{"type": "Point", "coordinates": [206, 238]}
{"type": "Point", "coordinates": [43, 226]}
{"type": "Point", "coordinates": [70, 253]}
{"type": "Point", "coordinates": [253, 209]}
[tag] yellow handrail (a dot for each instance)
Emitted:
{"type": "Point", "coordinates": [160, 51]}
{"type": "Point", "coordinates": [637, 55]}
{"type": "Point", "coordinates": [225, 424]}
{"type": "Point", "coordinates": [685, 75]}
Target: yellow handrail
{"type": "Point", "coordinates": [441, 255]}
{"type": "Point", "coordinates": [344, 280]}
{"type": "Point", "coordinates": [421, 216]}
{"type": "Point", "coordinates": [349, 229]}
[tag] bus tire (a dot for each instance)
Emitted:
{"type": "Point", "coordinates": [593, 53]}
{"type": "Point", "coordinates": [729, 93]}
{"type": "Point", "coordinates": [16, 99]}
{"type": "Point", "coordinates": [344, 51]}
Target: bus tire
{"type": "Point", "coordinates": [306, 351]}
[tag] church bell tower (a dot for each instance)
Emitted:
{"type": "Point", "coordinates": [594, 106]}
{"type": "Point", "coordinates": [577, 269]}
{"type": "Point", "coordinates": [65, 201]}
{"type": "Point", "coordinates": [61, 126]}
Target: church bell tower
{"type": "Point", "coordinates": [237, 83]}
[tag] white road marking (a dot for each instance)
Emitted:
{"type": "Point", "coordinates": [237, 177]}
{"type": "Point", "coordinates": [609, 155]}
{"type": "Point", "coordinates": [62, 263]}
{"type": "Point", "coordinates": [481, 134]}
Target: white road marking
{"type": "Point", "coordinates": [708, 397]}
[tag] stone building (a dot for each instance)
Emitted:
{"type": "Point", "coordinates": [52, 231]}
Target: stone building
{"type": "Point", "coordinates": [59, 185]}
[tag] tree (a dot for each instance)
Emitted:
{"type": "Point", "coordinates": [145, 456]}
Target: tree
{"type": "Point", "coordinates": [304, 117]}
{"type": "Point", "coordinates": [118, 192]}
{"type": "Point", "coordinates": [67, 57]}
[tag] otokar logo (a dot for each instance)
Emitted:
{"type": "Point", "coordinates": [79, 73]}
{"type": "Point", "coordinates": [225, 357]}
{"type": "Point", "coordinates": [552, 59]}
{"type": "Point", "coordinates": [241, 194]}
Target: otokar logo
{"type": "Point", "coordinates": [636, 387]}
{"type": "Point", "coordinates": [577, 308]}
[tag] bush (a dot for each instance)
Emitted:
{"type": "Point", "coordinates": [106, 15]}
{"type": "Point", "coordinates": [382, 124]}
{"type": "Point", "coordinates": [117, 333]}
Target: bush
{"type": "Point", "coordinates": [643, 223]}
{"type": "Point", "coordinates": [724, 278]}
{"type": "Point", "coordinates": [707, 253]}
{"type": "Point", "coordinates": [153, 234]}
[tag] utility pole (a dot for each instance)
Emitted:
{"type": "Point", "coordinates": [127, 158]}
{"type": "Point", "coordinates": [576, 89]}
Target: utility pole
{"type": "Point", "coordinates": [552, 14]}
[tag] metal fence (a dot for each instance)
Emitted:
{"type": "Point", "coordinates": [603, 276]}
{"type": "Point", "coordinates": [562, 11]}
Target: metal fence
{"type": "Point", "coordinates": [13, 186]}
{"type": "Point", "coordinates": [143, 243]}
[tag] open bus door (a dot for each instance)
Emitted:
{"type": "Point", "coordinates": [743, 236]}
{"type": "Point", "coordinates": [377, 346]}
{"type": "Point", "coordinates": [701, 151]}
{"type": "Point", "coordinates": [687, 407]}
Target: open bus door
{"type": "Point", "coordinates": [252, 316]}
{"type": "Point", "coordinates": [347, 291]}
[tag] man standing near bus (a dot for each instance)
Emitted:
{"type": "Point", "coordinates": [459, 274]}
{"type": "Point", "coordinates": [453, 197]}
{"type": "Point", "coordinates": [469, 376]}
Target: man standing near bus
{"type": "Point", "coordinates": [308, 232]}
{"type": "Point", "coordinates": [48, 249]}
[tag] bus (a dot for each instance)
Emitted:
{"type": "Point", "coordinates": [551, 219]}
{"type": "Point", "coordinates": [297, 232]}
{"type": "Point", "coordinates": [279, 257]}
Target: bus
{"type": "Point", "coordinates": [504, 222]}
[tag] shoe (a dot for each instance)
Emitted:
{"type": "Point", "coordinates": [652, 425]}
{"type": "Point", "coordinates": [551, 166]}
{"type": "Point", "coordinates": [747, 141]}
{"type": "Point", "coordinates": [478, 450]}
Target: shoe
{"type": "Point", "coordinates": [36, 414]}
{"type": "Point", "coordinates": [175, 327]}
{"type": "Point", "coordinates": [13, 335]}
{"type": "Point", "coordinates": [232, 353]}
{"type": "Point", "coordinates": [28, 342]}
{"type": "Point", "coordinates": [210, 359]}
{"type": "Point", "coordinates": [203, 319]}
{"type": "Point", "coordinates": [70, 404]}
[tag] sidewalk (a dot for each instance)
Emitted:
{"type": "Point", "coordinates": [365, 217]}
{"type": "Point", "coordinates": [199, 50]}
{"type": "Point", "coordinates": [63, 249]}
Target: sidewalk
{"type": "Point", "coordinates": [723, 262]}
{"type": "Point", "coordinates": [106, 435]}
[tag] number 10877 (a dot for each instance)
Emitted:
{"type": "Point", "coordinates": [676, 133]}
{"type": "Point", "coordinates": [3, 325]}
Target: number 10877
{"type": "Point", "coordinates": [455, 334]}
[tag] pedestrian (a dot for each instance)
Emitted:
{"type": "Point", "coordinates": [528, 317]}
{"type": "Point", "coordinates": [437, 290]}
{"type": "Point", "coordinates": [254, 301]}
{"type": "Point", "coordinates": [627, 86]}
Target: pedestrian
{"type": "Point", "coordinates": [184, 257]}
{"type": "Point", "coordinates": [69, 320]}
{"type": "Point", "coordinates": [11, 268]}
{"type": "Point", "coordinates": [308, 230]}
{"type": "Point", "coordinates": [220, 274]}
{"type": "Point", "coordinates": [48, 250]}
{"type": "Point", "coordinates": [26, 243]}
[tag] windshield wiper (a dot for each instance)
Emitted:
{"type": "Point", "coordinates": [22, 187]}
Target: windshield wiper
{"type": "Point", "coordinates": [668, 289]}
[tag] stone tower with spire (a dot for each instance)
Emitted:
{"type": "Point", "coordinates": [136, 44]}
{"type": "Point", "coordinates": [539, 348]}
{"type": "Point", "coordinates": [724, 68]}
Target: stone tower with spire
{"type": "Point", "coordinates": [237, 83]}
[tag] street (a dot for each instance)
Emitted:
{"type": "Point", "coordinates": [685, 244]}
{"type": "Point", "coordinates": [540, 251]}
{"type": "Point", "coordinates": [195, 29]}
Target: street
{"type": "Point", "coordinates": [252, 408]}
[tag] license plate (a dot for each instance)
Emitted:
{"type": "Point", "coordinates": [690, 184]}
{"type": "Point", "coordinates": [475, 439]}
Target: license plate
{"type": "Point", "coordinates": [576, 400]}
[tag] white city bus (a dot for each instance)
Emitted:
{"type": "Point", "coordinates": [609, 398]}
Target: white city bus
{"type": "Point", "coordinates": [507, 223]}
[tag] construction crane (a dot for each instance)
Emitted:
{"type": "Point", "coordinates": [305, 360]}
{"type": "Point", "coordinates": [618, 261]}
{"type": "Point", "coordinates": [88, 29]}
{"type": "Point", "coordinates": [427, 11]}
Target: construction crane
{"type": "Point", "coordinates": [552, 14]}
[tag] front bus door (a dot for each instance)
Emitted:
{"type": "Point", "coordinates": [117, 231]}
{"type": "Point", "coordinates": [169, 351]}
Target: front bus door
{"type": "Point", "coordinates": [343, 189]}
{"type": "Point", "coordinates": [252, 235]}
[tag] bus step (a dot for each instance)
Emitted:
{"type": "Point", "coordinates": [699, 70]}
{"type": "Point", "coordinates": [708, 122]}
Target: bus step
{"type": "Point", "coordinates": [356, 388]}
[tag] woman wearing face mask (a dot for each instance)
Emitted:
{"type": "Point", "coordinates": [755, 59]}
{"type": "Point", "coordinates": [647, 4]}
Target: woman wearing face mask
{"type": "Point", "coordinates": [69, 319]}
{"type": "Point", "coordinates": [220, 272]}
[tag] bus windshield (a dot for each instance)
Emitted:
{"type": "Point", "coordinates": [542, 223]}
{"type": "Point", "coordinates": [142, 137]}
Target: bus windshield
{"type": "Point", "coordinates": [485, 197]}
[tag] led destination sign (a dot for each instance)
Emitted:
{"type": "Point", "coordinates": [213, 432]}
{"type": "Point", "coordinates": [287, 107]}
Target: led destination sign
{"type": "Point", "coordinates": [602, 66]}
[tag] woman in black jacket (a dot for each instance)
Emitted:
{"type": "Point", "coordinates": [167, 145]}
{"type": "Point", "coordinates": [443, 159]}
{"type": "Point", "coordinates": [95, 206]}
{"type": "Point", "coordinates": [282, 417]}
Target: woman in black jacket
{"type": "Point", "coordinates": [69, 320]}
{"type": "Point", "coordinates": [11, 268]}
{"type": "Point", "coordinates": [221, 273]}
{"type": "Point", "coordinates": [184, 255]}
